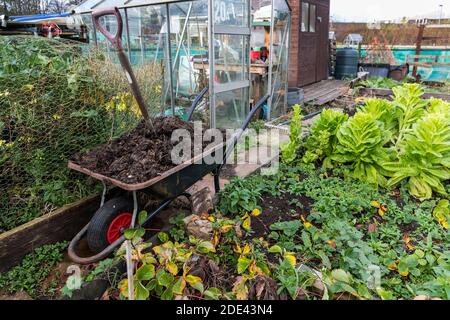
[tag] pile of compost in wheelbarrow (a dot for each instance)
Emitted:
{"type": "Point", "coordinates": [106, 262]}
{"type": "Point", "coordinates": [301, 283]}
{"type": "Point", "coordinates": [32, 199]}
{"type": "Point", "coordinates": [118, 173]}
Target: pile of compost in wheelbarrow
{"type": "Point", "coordinates": [137, 156]}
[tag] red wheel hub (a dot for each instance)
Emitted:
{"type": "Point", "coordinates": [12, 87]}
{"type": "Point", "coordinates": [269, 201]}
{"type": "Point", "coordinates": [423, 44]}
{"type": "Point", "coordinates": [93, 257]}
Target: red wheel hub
{"type": "Point", "coordinates": [117, 226]}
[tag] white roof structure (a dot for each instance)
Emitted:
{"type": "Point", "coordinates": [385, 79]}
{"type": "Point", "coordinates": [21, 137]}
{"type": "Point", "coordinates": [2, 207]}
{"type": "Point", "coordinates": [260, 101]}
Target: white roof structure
{"type": "Point", "coordinates": [91, 5]}
{"type": "Point", "coordinates": [353, 39]}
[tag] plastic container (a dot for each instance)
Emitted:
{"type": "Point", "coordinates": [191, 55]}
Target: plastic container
{"type": "Point", "coordinates": [295, 96]}
{"type": "Point", "coordinates": [398, 73]}
{"type": "Point", "coordinates": [376, 69]}
{"type": "Point", "coordinates": [346, 63]}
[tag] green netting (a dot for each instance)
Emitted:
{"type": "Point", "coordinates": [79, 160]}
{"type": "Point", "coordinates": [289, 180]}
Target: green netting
{"type": "Point", "coordinates": [56, 100]}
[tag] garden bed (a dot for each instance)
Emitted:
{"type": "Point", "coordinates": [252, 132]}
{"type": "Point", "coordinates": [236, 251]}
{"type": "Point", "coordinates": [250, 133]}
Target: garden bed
{"type": "Point", "coordinates": [336, 221]}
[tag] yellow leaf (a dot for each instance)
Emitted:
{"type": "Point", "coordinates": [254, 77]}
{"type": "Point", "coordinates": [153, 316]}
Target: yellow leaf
{"type": "Point", "coordinates": [123, 287]}
{"type": "Point", "coordinates": [392, 266]}
{"type": "Point", "coordinates": [407, 240]}
{"type": "Point", "coordinates": [192, 280]}
{"type": "Point", "coordinates": [291, 259]}
{"type": "Point", "coordinates": [226, 228]}
{"type": "Point", "coordinates": [246, 224]}
{"type": "Point", "coordinates": [331, 243]}
{"type": "Point", "coordinates": [211, 218]}
{"type": "Point", "coordinates": [237, 248]}
{"type": "Point", "coordinates": [404, 273]}
{"type": "Point", "coordinates": [375, 204]}
{"type": "Point", "coordinates": [381, 212]}
{"type": "Point", "coordinates": [246, 249]}
{"type": "Point", "coordinates": [240, 289]}
{"type": "Point", "coordinates": [307, 224]}
{"type": "Point", "coordinates": [216, 239]}
{"type": "Point", "coordinates": [256, 212]}
{"type": "Point", "coordinates": [172, 268]}
{"type": "Point", "coordinates": [157, 249]}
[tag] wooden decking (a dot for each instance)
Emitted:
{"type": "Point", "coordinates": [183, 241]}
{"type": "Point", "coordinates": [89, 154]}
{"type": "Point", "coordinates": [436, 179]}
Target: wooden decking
{"type": "Point", "coordinates": [325, 91]}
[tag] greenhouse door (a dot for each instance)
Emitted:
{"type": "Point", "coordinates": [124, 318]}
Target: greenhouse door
{"type": "Point", "coordinates": [229, 62]}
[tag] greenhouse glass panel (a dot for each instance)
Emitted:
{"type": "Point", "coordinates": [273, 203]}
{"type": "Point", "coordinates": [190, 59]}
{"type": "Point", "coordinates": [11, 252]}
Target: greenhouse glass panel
{"type": "Point", "coordinates": [232, 62]}
{"type": "Point", "coordinates": [279, 59]}
{"type": "Point", "coordinates": [179, 47]}
{"type": "Point", "coordinates": [231, 107]}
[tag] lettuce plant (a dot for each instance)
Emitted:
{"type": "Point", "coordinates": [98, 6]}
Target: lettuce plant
{"type": "Point", "coordinates": [424, 158]}
{"type": "Point", "coordinates": [321, 143]}
{"type": "Point", "coordinates": [441, 107]}
{"type": "Point", "coordinates": [384, 112]}
{"type": "Point", "coordinates": [409, 108]}
{"type": "Point", "coordinates": [360, 143]}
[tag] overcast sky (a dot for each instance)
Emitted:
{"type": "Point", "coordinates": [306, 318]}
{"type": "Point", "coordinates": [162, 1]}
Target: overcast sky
{"type": "Point", "coordinates": [370, 10]}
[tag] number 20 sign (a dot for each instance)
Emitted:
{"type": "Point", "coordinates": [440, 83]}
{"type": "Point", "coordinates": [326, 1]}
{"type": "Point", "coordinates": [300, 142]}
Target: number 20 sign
{"type": "Point", "coordinates": [224, 11]}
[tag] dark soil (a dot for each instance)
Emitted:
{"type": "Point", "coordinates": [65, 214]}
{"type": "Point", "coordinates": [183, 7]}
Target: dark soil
{"type": "Point", "coordinates": [137, 156]}
{"type": "Point", "coordinates": [286, 207]}
{"type": "Point", "coordinates": [409, 227]}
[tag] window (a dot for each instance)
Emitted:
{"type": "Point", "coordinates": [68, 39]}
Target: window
{"type": "Point", "coordinates": [309, 17]}
{"type": "Point", "coordinates": [305, 16]}
{"type": "Point", "coordinates": [312, 18]}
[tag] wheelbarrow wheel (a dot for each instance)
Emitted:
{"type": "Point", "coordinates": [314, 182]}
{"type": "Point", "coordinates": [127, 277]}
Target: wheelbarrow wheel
{"type": "Point", "coordinates": [109, 223]}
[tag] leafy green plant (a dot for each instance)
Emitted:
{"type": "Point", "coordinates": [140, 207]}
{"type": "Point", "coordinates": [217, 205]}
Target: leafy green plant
{"type": "Point", "coordinates": [360, 143]}
{"type": "Point", "coordinates": [240, 196]}
{"type": "Point", "coordinates": [383, 112]}
{"type": "Point", "coordinates": [379, 83]}
{"type": "Point", "coordinates": [409, 107]}
{"type": "Point", "coordinates": [34, 269]}
{"type": "Point", "coordinates": [441, 107]}
{"type": "Point", "coordinates": [289, 150]}
{"type": "Point", "coordinates": [442, 213]}
{"type": "Point", "coordinates": [165, 272]}
{"type": "Point", "coordinates": [424, 158]}
{"type": "Point", "coordinates": [321, 142]}
{"type": "Point", "coordinates": [292, 279]}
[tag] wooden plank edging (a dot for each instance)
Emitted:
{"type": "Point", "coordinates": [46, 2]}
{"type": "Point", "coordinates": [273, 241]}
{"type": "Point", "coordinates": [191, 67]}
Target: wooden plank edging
{"type": "Point", "coordinates": [389, 92]}
{"type": "Point", "coordinates": [60, 225]}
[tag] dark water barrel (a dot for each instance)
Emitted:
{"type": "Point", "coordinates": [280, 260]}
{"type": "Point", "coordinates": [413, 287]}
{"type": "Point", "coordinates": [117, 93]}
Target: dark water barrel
{"type": "Point", "coordinates": [295, 96]}
{"type": "Point", "coordinates": [346, 63]}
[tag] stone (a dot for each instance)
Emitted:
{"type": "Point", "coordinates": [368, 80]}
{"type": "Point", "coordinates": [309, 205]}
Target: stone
{"type": "Point", "coordinates": [198, 227]}
{"type": "Point", "coordinates": [202, 201]}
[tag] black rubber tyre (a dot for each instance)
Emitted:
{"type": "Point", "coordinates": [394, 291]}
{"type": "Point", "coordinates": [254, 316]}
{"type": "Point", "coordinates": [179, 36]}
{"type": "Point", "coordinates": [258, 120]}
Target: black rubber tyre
{"type": "Point", "coordinates": [99, 225]}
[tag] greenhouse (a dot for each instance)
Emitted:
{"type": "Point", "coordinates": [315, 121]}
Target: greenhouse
{"type": "Point", "coordinates": [202, 31]}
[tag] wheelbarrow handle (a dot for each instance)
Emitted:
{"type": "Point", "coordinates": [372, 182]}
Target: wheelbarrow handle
{"type": "Point", "coordinates": [115, 39]}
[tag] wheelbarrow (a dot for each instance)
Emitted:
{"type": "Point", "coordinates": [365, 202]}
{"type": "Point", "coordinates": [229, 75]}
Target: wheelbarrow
{"type": "Point", "coordinates": [105, 231]}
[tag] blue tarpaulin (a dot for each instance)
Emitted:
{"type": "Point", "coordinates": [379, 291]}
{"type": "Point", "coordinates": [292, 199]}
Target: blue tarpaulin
{"type": "Point", "coordinates": [37, 17]}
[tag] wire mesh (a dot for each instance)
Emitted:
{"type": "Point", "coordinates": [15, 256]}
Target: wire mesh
{"type": "Point", "coordinates": [58, 98]}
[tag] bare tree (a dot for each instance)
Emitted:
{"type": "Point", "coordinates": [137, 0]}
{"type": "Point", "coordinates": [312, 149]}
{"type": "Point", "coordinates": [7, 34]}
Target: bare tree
{"type": "Point", "coordinates": [25, 7]}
